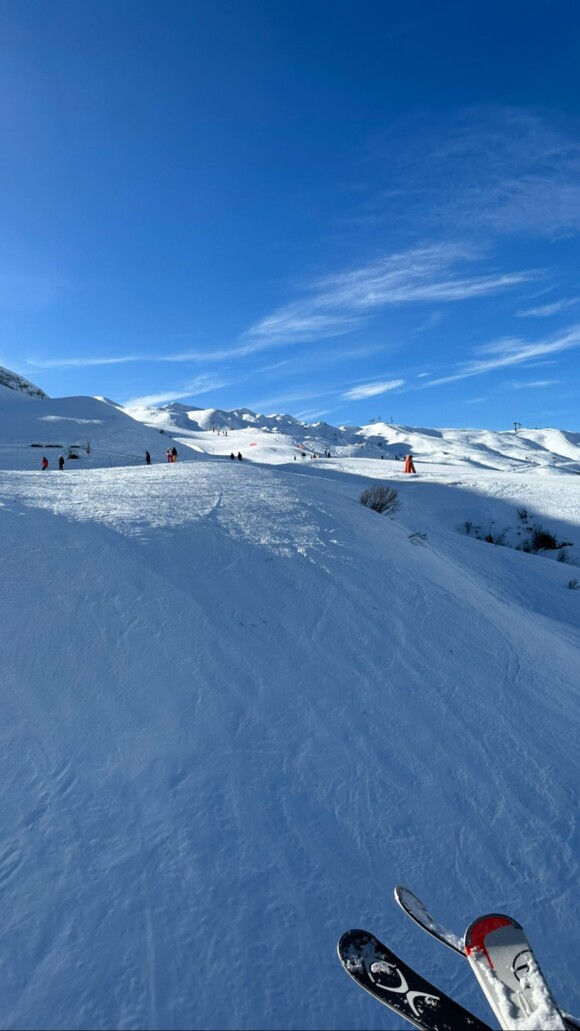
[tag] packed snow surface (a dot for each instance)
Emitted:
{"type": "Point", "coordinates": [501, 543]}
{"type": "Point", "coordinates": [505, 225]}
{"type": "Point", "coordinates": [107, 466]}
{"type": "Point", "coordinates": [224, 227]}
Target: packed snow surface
{"type": "Point", "coordinates": [239, 707]}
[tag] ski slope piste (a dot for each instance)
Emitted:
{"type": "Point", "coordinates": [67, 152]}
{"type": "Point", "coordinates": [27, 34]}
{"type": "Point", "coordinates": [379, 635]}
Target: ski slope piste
{"type": "Point", "coordinates": [237, 703]}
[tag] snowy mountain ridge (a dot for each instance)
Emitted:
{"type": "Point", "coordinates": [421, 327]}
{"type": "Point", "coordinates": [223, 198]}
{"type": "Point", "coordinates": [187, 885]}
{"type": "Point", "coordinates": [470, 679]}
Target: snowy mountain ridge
{"type": "Point", "coordinates": [11, 381]}
{"type": "Point", "coordinates": [477, 448]}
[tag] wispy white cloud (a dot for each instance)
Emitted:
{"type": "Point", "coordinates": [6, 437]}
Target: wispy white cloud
{"type": "Point", "coordinates": [181, 357]}
{"type": "Point", "coordinates": [511, 351]}
{"type": "Point", "coordinates": [194, 357]}
{"type": "Point", "coordinates": [372, 389]}
{"type": "Point", "coordinates": [543, 311]}
{"type": "Point", "coordinates": [74, 363]}
{"type": "Point", "coordinates": [298, 322]}
{"type": "Point", "coordinates": [200, 385]}
{"type": "Point", "coordinates": [506, 170]}
{"type": "Point", "coordinates": [163, 397]}
{"type": "Point", "coordinates": [314, 414]}
{"type": "Point", "coordinates": [535, 384]}
{"type": "Point", "coordinates": [540, 363]}
{"type": "Point", "coordinates": [423, 274]}
{"type": "Point", "coordinates": [432, 320]}
{"type": "Point", "coordinates": [339, 303]}
{"type": "Point", "coordinates": [475, 400]}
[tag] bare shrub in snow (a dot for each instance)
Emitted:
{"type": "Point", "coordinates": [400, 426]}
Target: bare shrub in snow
{"type": "Point", "coordinates": [542, 540]}
{"type": "Point", "coordinates": [573, 585]}
{"type": "Point", "coordinates": [381, 499]}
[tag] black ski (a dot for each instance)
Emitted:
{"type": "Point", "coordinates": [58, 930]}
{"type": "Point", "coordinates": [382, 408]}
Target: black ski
{"type": "Point", "coordinates": [376, 969]}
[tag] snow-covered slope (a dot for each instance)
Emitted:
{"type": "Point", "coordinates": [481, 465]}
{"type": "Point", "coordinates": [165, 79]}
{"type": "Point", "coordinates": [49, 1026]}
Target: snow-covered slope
{"type": "Point", "coordinates": [99, 433]}
{"type": "Point", "coordinates": [238, 707]}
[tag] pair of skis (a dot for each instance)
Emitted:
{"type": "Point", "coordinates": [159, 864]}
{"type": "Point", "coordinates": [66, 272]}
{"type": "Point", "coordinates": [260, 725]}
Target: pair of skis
{"type": "Point", "coordinates": [502, 960]}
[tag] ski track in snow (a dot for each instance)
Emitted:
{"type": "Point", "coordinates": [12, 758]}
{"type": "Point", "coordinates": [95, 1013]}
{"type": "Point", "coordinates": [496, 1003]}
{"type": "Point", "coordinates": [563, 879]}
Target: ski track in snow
{"type": "Point", "coordinates": [240, 708]}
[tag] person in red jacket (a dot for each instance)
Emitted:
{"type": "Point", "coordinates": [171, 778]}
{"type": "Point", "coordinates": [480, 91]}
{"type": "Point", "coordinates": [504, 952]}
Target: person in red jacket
{"type": "Point", "coordinates": [44, 462]}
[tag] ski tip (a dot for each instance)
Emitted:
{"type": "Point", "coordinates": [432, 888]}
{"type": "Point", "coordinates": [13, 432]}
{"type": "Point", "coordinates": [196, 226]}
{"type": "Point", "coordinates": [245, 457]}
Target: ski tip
{"type": "Point", "coordinates": [354, 945]}
{"type": "Point", "coordinates": [341, 941]}
{"type": "Point", "coordinates": [406, 898]}
{"type": "Point", "coordinates": [480, 929]}
{"type": "Point", "coordinates": [356, 936]}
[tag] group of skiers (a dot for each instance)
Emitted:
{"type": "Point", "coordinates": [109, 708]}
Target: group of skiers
{"type": "Point", "coordinates": [44, 463]}
{"type": "Point", "coordinates": [171, 456]}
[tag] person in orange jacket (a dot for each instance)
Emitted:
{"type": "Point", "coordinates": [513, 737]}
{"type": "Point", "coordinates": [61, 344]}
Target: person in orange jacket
{"type": "Point", "coordinates": [44, 462]}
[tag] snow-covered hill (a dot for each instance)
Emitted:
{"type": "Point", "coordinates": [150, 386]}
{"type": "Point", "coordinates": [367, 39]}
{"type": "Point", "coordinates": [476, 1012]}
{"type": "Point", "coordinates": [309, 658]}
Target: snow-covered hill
{"type": "Point", "coordinates": [98, 433]}
{"type": "Point", "coordinates": [238, 707]}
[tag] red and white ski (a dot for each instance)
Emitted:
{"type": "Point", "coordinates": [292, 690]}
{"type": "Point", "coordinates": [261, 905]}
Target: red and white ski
{"type": "Point", "coordinates": [509, 975]}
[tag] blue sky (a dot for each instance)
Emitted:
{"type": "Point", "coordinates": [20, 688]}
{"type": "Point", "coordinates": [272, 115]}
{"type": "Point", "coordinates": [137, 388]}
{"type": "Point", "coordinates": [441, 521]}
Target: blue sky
{"type": "Point", "coordinates": [340, 210]}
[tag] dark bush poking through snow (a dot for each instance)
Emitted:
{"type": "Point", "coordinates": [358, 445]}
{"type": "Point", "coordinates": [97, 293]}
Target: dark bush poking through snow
{"type": "Point", "coordinates": [381, 499]}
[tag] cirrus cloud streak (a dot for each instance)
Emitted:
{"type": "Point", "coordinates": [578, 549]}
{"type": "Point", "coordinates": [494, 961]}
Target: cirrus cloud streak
{"type": "Point", "coordinates": [340, 303]}
{"type": "Point", "coordinates": [372, 389]}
